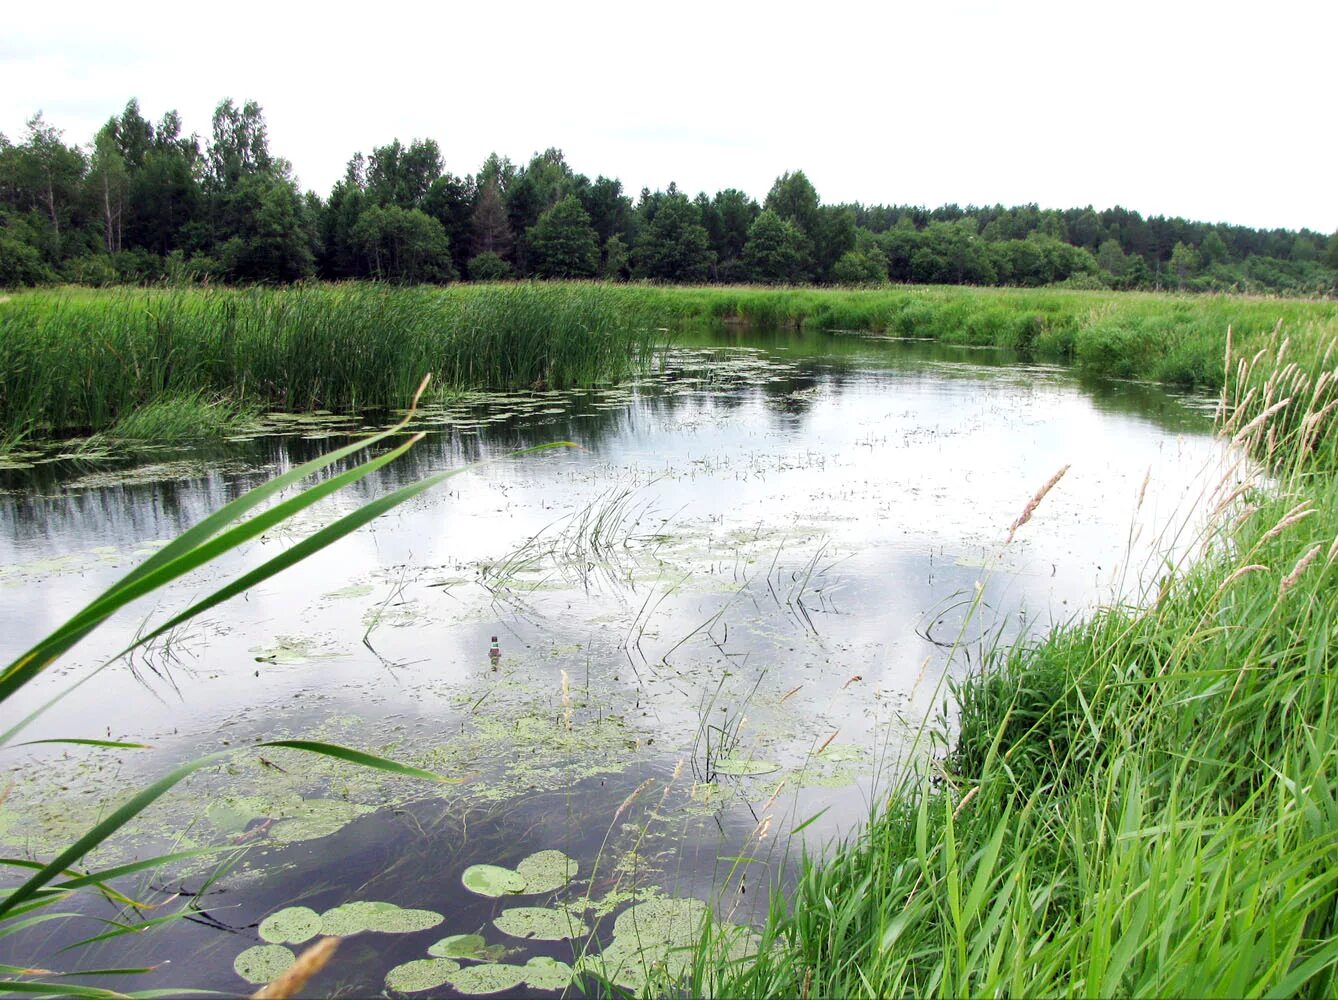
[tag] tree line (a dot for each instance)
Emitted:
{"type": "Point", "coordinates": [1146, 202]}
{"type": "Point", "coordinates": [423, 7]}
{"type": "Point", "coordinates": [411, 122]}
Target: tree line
{"type": "Point", "coordinates": [144, 202]}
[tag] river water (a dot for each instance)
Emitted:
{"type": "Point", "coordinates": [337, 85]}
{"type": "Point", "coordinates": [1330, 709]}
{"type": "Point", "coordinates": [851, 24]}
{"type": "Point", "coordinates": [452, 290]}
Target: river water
{"type": "Point", "coordinates": [728, 613]}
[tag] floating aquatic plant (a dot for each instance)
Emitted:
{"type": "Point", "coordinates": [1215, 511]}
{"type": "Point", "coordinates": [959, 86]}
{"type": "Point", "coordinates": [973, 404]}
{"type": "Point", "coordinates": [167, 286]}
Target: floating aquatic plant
{"type": "Point", "coordinates": [379, 917]}
{"type": "Point", "coordinates": [292, 925]}
{"type": "Point", "coordinates": [422, 974]}
{"type": "Point", "coordinates": [492, 880]}
{"type": "Point", "coordinates": [744, 766]}
{"type": "Point", "coordinates": [546, 871]}
{"type": "Point", "coordinates": [479, 980]}
{"type": "Point", "coordinates": [263, 962]}
{"type": "Point", "coordinates": [540, 923]}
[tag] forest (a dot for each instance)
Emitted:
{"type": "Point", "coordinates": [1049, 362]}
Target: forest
{"type": "Point", "coordinates": [145, 203]}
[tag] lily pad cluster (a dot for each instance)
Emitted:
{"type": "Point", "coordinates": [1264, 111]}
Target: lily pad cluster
{"type": "Point", "coordinates": [486, 974]}
{"type": "Point", "coordinates": [296, 924]}
{"type": "Point", "coordinates": [546, 871]}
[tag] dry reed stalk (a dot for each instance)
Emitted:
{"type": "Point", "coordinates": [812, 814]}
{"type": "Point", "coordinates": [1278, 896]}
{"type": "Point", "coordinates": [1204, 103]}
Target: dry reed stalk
{"type": "Point", "coordinates": [1291, 579]}
{"type": "Point", "coordinates": [828, 742]}
{"type": "Point", "coordinates": [1239, 572]}
{"type": "Point", "coordinates": [1244, 432]}
{"type": "Point", "coordinates": [1034, 502]}
{"type": "Point", "coordinates": [291, 981]}
{"type": "Point", "coordinates": [632, 797]}
{"type": "Point", "coordinates": [566, 700]}
{"type": "Point", "coordinates": [1237, 411]}
{"type": "Point", "coordinates": [771, 801]}
{"type": "Point", "coordinates": [1298, 513]}
{"type": "Point", "coordinates": [1310, 425]}
{"type": "Point", "coordinates": [787, 694]}
{"type": "Point", "coordinates": [965, 799]}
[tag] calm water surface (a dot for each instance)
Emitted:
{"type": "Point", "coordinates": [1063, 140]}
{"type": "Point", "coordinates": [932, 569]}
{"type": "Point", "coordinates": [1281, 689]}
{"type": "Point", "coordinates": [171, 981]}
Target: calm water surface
{"type": "Point", "coordinates": [757, 560]}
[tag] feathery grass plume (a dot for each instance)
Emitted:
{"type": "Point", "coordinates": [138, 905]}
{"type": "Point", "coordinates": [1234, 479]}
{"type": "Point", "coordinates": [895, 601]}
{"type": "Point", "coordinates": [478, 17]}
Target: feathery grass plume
{"type": "Point", "coordinates": [1292, 578]}
{"type": "Point", "coordinates": [1034, 502]}
{"type": "Point", "coordinates": [1333, 552]}
{"type": "Point", "coordinates": [1300, 512]}
{"type": "Point", "coordinates": [1240, 572]}
{"type": "Point", "coordinates": [295, 977]}
{"type": "Point", "coordinates": [1243, 434]}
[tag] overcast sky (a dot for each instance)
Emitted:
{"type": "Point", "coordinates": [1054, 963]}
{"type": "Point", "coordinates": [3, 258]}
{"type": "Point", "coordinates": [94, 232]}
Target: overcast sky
{"type": "Point", "coordinates": [1221, 111]}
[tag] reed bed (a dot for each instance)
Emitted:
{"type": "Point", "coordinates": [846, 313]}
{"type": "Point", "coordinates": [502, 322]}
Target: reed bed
{"type": "Point", "coordinates": [1140, 804]}
{"type": "Point", "coordinates": [83, 359]}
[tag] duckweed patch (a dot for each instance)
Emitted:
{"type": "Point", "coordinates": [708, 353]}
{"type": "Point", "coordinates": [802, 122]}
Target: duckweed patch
{"type": "Point", "coordinates": [376, 917]}
{"type": "Point", "coordinates": [263, 963]}
{"type": "Point", "coordinates": [544, 973]}
{"type": "Point", "coordinates": [293, 649]}
{"type": "Point", "coordinates": [291, 925]}
{"type": "Point", "coordinates": [540, 923]}
{"type": "Point", "coordinates": [421, 974]}
{"type": "Point", "coordinates": [547, 871]}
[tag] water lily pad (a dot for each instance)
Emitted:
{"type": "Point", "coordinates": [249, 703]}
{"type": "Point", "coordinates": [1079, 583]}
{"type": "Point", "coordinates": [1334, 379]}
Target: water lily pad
{"type": "Point", "coordinates": [379, 917]}
{"type": "Point", "coordinates": [459, 946]}
{"type": "Point", "coordinates": [540, 923]}
{"type": "Point", "coordinates": [544, 973]}
{"type": "Point", "coordinates": [478, 980]}
{"type": "Point", "coordinates": [744, 766]}
{"type": "Point", "coordinates": [423, 974]}
{"type": "Point", "coordinates": [668, 920]}
{"type": "Point", "coordinates": [492, 880]}
{"type": "Point", "coordinates": [263, 962]}
{"type": "Point", "coordinates": [546, 871]}
{"type": "Point", "coordinates": [292, 925]}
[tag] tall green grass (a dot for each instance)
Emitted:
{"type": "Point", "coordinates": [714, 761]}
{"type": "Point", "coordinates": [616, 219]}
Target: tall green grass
{"type": "Point", "coordinates": [82, 359]}
{"type": "Point", "coordinates": [1141, 804]}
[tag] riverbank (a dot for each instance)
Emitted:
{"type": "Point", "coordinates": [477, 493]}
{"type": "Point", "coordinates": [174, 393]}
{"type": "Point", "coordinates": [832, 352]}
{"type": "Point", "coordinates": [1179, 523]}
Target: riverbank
{"type": "Point", "coordinates": [1138, 804]}
{"type": "Point", "coordinates": [80, 360]}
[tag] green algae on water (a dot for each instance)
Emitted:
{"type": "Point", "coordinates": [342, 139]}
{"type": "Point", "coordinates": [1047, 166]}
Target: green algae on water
{"type": "Point", "coordinates": [480, 980]}
{"type": "Point", "coordinates": [422, 974]}
{"type": "Point", "coordinates": [263, 963]}
{"type": "Point", "coordinates": [544, 973]}
{"type": "Point", "coordinates": [378, 917]}
{"type": "Point", "coordinates": [546, 871]}
{"type": "Point", "coordinates": [292, 925]}
{"type": "Point", "coordinates": [540, 923]}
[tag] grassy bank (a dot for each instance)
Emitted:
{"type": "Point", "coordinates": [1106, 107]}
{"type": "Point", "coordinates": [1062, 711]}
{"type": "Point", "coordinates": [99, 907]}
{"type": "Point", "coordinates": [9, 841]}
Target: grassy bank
{"type": "Point", "coordinates": [1177, 339]}
{"type": "Point", "coordinates": [83, 359]}
{"type": "Point", "coordinates": [1140, 804]}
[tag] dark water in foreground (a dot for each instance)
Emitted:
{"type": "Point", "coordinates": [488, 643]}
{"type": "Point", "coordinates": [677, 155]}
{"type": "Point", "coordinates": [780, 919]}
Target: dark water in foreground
{"type": "Point", "coordinates": [755, 562]}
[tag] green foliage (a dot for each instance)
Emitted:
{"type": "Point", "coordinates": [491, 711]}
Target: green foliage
{"type": "Point", "coordinates": [675, 246]}
{"type": "Point", "coordinates": [776, 250]}
{"type": "Point", "coordinates": [563, 243]}
{"type": "Point", "coordinates": [488, 266]}
{"type": "Point", "coordinates": [232, 205]}
{"type": "Point", "coordinates": [403, 245]}
{"type": "Point", "coordinates": [617, 260]}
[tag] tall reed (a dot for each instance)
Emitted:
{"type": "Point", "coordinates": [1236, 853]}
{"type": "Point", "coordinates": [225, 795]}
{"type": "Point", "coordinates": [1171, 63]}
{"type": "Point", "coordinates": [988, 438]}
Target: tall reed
{"type": "Point", "coordinates": [81, 359]}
